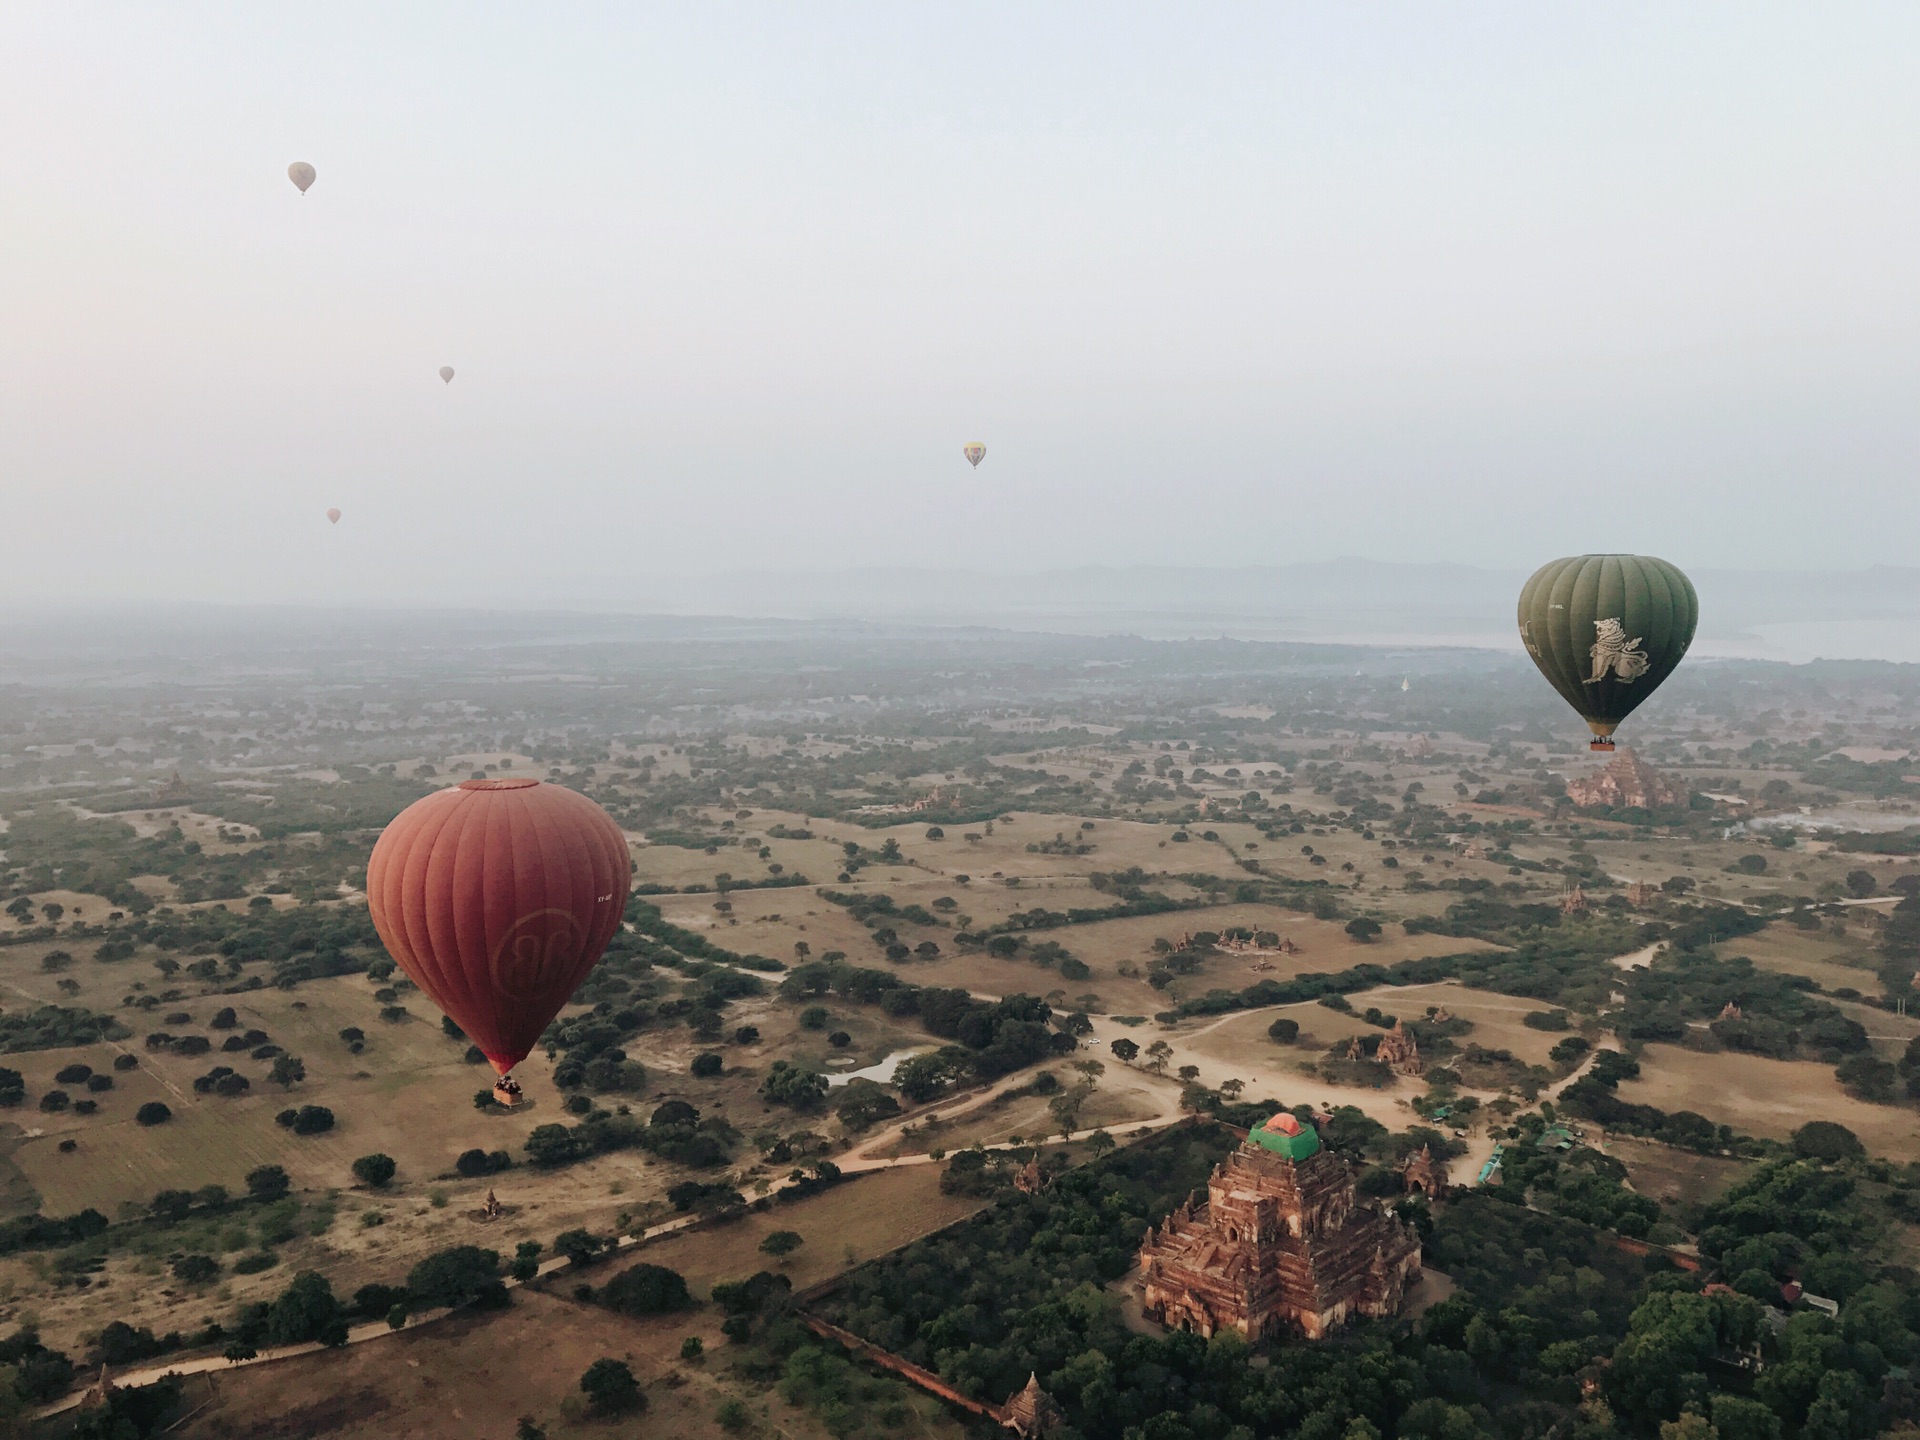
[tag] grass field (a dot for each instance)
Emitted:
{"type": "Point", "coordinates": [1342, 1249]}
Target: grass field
{"type": "Point", "coordinates": [1835, 962]}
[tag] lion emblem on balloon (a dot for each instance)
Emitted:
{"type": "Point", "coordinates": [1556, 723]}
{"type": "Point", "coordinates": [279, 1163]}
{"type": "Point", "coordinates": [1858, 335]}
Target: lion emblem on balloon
{"type": "Point", "coordinates": [1613, 653]}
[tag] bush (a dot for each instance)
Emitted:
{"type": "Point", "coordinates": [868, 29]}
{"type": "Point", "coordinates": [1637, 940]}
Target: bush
{"type": "Point", "coordinates": [374, 1170]}
{"type": "Point", "coordinates": [1285, 1030]}
{"type": "Point", "coordinates": [55, 1100]}
{"type": "Point", "coordinates": [307, 1120]}
{"type": "Point", "coordinates": [126, 1062]}
{"type": "Point", "coordinates": [73, 1074]}
{"type": "Point", "coordinates": [256, 1262]}
{"type": "Point", "coordinates": [99, 1083]}
{"type": "Point", "coordinates": [476, 1162]}
{"type": "Point", "coordinates": [707, 1065]}
{"type": "Point", "coordinates": [196, 1269]}
{"type": "Point", "coordinates": [1547, 1020]}
{"type": "Point", "coordinates": [611, 1389]}
{"type": "Point", "coordinates": [154, 1112]}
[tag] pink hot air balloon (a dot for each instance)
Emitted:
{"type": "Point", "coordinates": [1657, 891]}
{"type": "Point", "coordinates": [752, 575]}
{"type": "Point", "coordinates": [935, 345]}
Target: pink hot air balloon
{"type": "Point", "coordinates": [334, 516]}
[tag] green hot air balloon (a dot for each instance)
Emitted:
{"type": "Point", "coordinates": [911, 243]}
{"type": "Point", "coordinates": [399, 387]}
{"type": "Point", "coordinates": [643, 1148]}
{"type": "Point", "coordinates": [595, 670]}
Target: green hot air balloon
{"type": "Point", "coordinates": [1606, 630]}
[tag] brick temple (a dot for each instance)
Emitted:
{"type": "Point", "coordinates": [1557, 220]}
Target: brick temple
{"type": "Point", "coordinates": [1280, 1245]}
{"type": "Point", "coordinates": [1628, 783]}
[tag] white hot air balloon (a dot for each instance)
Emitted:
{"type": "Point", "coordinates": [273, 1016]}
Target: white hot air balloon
{"type": "Point", "coordinates": [333, 516]}
{"type": "Point", "coordinates": [975, 453]}
{"type": "Point", "coordinates": [302, 175]}
{"type": "Point", "coordinates": [446, 373]}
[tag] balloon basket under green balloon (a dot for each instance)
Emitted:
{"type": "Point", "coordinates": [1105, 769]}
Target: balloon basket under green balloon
{"type": "Point", "coordinates": [1606, 745]}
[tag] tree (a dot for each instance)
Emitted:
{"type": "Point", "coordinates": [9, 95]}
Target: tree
{"type": "Point", "coordinates": [1188, 1073]}
{"type": "Point", "coordinates": [456, 1276]}
{"type": "Point", "coordinates": [154, 1112]}
{"type": "Point", "coordinates": [267, 1184]}
{"type": "Point", "coordinates": [1232, 1088]}
{"type": "Point", "coordinates": [1124, 1050]}
{"type": "Point", "coordinates": [550, 1145]}
{"type": "Point", "coordinates": [1860, 883]}
{"type": "Point", "coordinates": [374, 1171]}
{"type": "Point", "coordinates": [781, 1243]}
{"type": "Point", "coordinates": [646, 1290]}
{"type": "Point", "coordinates": [611, 1389]}
{"type": "Point", "coordinates": [789, 1085]}
{"type": "Point", "coordinates": [306, 1310]}
{"type": "Point", "coordinates": [526, 1261]}
{"type": "Point", "coordinates": [1826, 1140]}
{"type": "Point", "coordinates": [287, 1071]}
{"type": "Point", "coordinates": [1101, 1143]}
{"type": "Point", "coordinates": [1363, 930]}
{"type": "Point", "coordinates": [707, 1065]}
{"type": "Point", "coordinates": [923, 1077]}
{"type": "Point", "coordinates": [1158, 1053]}
{"type": "Point", "coordinates": [1285, 1030]}
{"type": "Point", "coordinates": [578, 1247]}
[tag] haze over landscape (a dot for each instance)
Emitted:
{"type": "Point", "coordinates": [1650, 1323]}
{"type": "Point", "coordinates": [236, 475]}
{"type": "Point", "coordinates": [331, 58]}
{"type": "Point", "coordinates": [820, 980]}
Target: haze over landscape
{"type": "Point", "coordinates": [953, 722]}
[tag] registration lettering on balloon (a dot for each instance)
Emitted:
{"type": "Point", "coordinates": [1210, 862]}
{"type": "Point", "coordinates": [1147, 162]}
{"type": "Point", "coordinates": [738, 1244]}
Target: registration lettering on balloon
{"type": "Point", "coordinates": [540, 951]}
{"type": "Point", "coordinates": [1526, 639]}
{"type": "Point", "coordinates": [1613, 651]}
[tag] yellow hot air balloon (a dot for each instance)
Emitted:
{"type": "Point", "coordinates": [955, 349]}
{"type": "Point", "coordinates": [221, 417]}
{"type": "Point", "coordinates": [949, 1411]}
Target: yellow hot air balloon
{"type": "Point", "coordinates": [334, 516]}
{"type": "Point", "coordinates": [302, 175]}
{"type": "Point", "coordinates": [975, 453]}
{"type": "Point", "coordinates": [446, 373]}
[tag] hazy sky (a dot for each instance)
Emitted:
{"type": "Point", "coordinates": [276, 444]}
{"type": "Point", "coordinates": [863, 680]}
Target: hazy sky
{"type": "Point", "coordinates": [728, 287]}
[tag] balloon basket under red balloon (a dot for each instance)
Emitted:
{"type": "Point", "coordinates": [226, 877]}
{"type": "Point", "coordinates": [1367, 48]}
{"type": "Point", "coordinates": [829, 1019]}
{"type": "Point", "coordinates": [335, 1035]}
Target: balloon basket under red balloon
{"type": "Point", "coordinates": [508, 1098]}
{"type": "Point", "coordinates": [1600, 745]}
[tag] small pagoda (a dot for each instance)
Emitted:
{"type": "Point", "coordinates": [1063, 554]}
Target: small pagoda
{"type": "Point", "coordinates": [1421, 1174]}
{"type": "Point", "coordinates": [1033, 1413]}
{"type": "Point", "coordinates": [1281, 1244]}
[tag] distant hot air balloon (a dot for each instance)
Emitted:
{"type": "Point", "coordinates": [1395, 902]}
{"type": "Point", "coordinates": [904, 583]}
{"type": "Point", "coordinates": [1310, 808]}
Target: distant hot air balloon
{"type": "Point", "coordinates": [446, 373]}
{"type": "Point", "coordinates": [302, 175]}
{"type": "Point", "coordinates": [1606, 630]}
{"type": "Point", "coordinates": [497, 897]}
{"type": "Point", "coordinates": [975, 453]}
{"type": "Point", "coordinates": [334, 516]}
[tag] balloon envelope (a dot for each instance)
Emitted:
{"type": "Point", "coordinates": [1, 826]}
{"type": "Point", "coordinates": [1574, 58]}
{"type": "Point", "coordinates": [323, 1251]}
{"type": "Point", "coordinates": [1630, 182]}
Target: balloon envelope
{"type": "Point", "coordinates": [446, 373]}
{"type": "Point", "coordinates": [302, 175]}
{"type": "Point", "coordinates": [1606, 630]}
{"type": "Point", "coordinates": [497, 897]}
{"type": "Point", "coordinates": [975, 453]}
{"type": "Point", "coordinates": [334, 516]}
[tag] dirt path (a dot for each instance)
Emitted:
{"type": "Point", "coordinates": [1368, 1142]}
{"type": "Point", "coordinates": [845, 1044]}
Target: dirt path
{"type": "Point", "coordinates": [1641, 959]}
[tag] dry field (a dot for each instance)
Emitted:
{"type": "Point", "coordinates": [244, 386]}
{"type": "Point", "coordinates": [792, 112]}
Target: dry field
{"type": "Point", "coordinates": [1759, 1096]}
{"type": "Point", "coordinates": [473, 1376]}
{"type": "Point", "coordinates": [474, 1370]}
{"type": "Point", "coordinates": [1674, 1177]}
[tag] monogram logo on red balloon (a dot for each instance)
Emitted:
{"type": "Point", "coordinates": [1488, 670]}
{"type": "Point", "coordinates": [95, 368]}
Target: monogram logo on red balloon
{"type": "Point", "coordinates": [538, 953]}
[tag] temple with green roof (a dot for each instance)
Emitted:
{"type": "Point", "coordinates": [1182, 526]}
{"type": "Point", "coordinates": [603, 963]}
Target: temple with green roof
{"type": "Point", "coordinates": [1282, 1244]}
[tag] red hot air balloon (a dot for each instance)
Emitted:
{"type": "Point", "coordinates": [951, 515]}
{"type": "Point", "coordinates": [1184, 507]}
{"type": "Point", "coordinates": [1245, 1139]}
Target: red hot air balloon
{"type": "Point", "coordinates": [497, 897]}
